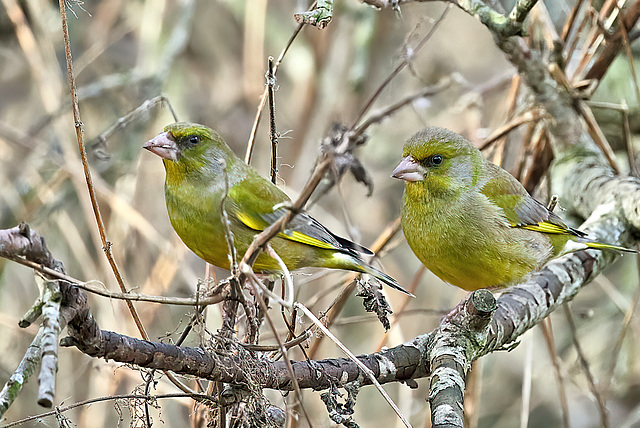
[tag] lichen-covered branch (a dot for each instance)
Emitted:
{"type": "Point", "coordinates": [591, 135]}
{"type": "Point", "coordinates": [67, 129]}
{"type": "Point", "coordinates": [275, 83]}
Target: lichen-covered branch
{"type": "Point", "coordinates": [21, 241]}
{"type": "Point", "coordinates": [450, 355]}
{"type": "Point", "coordinates": [51, 330]}
{"type": "Point", "coordinates": [449, 350]}
{"type": "Point", "coordinates": [319, 17]}
{"type": "Point", "coordinates": [21, 375]}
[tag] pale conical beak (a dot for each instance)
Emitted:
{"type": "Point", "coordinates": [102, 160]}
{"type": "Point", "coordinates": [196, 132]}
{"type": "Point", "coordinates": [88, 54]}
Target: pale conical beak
{"type": "Point", "coordinates": [163, 145]}
{"type": "Point", "coordinates": [409, 170]}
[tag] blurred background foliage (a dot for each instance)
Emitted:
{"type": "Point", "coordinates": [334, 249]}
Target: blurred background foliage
{"type": "Point", "coordinates": [208, 58]}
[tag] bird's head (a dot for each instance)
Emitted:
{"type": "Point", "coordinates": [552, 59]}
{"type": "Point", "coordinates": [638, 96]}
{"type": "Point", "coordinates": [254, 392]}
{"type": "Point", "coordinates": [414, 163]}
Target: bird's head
{"type": "Point", "coordinates": [188, 148]}
{"type": "Point", "coordinates": [182, 140]}
{"type": "Point", "coordinates": [439, 161]}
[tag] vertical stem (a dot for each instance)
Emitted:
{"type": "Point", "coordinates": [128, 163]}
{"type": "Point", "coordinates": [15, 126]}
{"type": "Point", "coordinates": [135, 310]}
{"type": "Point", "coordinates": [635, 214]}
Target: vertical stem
{"type": "Point", "coordinates": [547, 332]}
{"type": "Point", "coordinates": [79, 126]}
{"type": "Point", "coordinates": [602, 408]}
{"type": "Point", "coordinates": [273, 135]}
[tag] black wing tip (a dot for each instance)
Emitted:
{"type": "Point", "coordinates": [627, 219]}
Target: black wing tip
{"type": "Point", "coordinates": [402, 290]}
{"type": "Point", "coordinates": [577, 232]}
{"type": "Point", "coordinates": [348, 245]}
{"type": "Point", "coordinates": [388, 280]}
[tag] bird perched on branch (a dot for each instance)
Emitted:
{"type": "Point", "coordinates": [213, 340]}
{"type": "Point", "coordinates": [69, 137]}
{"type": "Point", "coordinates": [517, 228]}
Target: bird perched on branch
{"type": "Point", "coordinates": [471, 222]}
{"type": "Point", "coordinates": [203, 177]}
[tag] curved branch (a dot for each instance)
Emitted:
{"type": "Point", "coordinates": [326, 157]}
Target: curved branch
{"type": "Point", "coordinates": [450, 348]}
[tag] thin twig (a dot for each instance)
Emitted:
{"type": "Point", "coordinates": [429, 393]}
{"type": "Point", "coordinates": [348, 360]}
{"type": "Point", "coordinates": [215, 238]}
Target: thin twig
{"type": "Point", "coordinates": [263, 98]}
{"type": "Point", "coordinates": [525, 409]}
{"type": "Point", "coordinates": [283, 349]}
{"type": "Point", "coordinates": [547, 332]}
{"type": "Point", "coordinates": [127, 296]}
{"type": "Point", "coordinates": [410, 54]}
{"type": "Point", "coordinates": [405, 302]}
{"type": "Point", "coordinates": [626, 140]}
{"type": "Point", "coordinates": [571, 19]}
{"type": "Point", "coordinates": [592, 125]}
{"type": "Point", "coordinates": [268, 348]}
{"type": "Point", "coordinates": [365, 370]}
{"type": "Point", "coordinates": [286, 276]}
{"type": "Point", "coordinates": [273, 134]}
{"type": "Point", "coordinates": [382, 114]}
{"type": "Point", "coordinates": [601, 23]}
{"type": "Point", "coordinates": [627, 48]}
{"type": "Point", "coordinates": [623, 109]}
{"type": "Point", "coordinates": [473, 394]}
{"type": "Point", "coordinates": [126, 119]}
{"type": "Point", "coordinates": [246, 270]}
{"type": "Point", "coordinates": [600, 66]}
{"type": "Point", "coordinates": [615, 352]}
{"type": "Point", "coordinates": [335, 308]}
{"type": "Point", "coordinates": [226, 224]}
{"type": "Point", "coordinates": [90, 401]}
{"type": "Point", "coordinates": [528, 117]}
{"type": "Point", "coordinates": [602, 408]}
{"type": "Point", "coordinates": [598, 136]}
{"type": "Point", "coordinates": [260, 241]}
{"type": "Point", "coordinates": [106, 245]}
{"type": "Point", "coordinates": [569, 51]}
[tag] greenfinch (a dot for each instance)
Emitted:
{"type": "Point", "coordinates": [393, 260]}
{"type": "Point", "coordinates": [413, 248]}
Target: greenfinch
{"type": "Point", "coordinates": [200, 167]}
{"type": "Point", "coordinates": [471, 222]}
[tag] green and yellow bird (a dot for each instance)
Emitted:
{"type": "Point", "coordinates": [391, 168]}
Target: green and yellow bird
{"type": "Point", "coordinates": [471, 222]}
{"type": "Point", "coordinates": [198, 163]}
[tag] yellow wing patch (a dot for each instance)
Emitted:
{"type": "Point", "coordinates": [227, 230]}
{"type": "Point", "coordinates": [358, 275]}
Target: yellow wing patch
{"type": "Point", "coordinates": [306, 239]}
{"type": "Point", "coordinates": [545, 227]}
{"type": "Point", "coordinates": [249, 221]}
{"type": "Point", "coordinates": [293, 235]}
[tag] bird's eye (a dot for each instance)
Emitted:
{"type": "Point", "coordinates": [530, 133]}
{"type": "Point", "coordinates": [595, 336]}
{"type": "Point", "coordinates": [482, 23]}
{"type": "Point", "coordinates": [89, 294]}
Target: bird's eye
{"type": "Point", "coordinates": [194, 139]}
{"type": "Point", "coordinates": [435, 160]}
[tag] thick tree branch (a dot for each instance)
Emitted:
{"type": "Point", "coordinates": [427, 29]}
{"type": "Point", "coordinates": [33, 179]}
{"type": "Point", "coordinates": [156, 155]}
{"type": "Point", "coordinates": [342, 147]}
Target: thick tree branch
{"type": "Point", "coordinates": [518, 309]}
